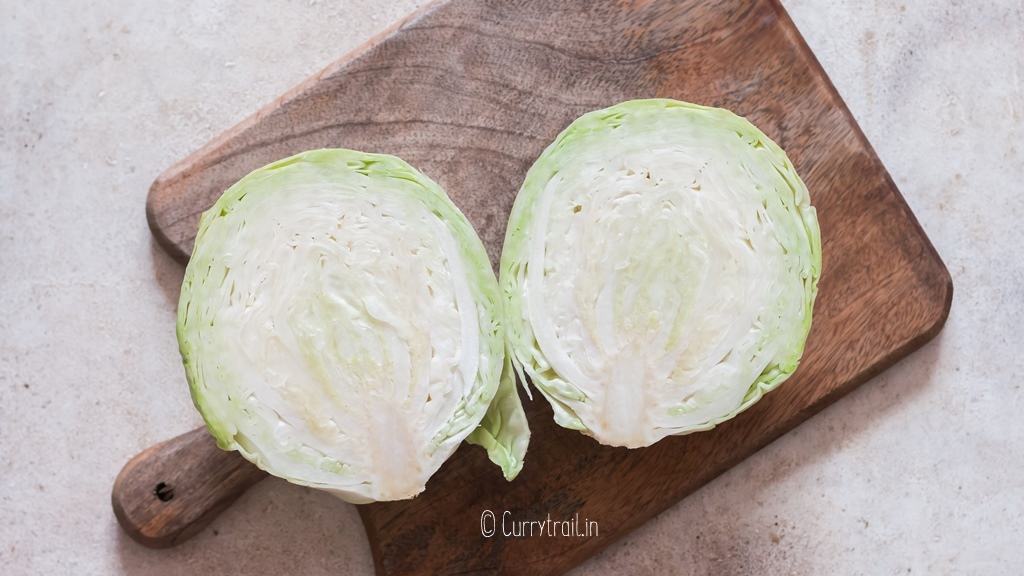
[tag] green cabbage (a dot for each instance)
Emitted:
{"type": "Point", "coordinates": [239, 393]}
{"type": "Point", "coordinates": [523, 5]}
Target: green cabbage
{"type": "Point", "coordinates": [659, 270]}
{"type": "Point", "coordinates": [340, 326]}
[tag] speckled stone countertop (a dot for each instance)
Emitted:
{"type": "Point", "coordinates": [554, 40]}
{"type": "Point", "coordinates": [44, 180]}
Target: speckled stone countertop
{"type": "Point", "coordinates": [921, 470]}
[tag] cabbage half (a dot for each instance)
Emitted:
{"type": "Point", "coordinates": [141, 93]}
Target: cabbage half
{"type": "Point", "coordinates": [659, 270]}
{"type": "Point", "coordinates": [340, 327]}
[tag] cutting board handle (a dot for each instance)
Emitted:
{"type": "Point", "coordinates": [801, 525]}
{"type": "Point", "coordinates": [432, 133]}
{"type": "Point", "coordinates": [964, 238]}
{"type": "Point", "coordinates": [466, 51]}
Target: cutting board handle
{"type": "Point", "coordinates": [171, 491]}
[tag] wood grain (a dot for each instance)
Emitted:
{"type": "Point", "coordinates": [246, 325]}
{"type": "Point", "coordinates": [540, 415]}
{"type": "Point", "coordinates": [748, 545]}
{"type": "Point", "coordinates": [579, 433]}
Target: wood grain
{"type": "Point", "coordinates": [169, 492]}
{"type": "Point", "coordinates": [470, 92]}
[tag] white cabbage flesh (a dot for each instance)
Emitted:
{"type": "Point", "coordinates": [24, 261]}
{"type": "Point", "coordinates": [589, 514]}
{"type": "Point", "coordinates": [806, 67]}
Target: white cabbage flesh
{"type": "Point", "coordinates": [339, 323]}
{"type": "Point", "coordinates": [659, 269]}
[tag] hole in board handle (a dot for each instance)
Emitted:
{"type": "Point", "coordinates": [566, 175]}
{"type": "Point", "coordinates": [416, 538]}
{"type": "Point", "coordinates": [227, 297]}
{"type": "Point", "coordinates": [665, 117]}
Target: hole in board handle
{"type": "Point", "coordinates": [164, 492]}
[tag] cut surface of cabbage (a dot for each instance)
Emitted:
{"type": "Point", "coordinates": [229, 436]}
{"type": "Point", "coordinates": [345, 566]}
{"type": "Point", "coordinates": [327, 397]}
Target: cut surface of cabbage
{"type": "Point", "coordinates": [340, 327]}
{"type": "Point", "coordinates": [659, 270]}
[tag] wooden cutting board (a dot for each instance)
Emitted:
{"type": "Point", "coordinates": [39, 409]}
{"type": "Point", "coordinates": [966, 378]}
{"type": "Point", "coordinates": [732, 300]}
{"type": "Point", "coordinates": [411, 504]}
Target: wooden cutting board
{"type": "Point", "coordinates": [470, 92]}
